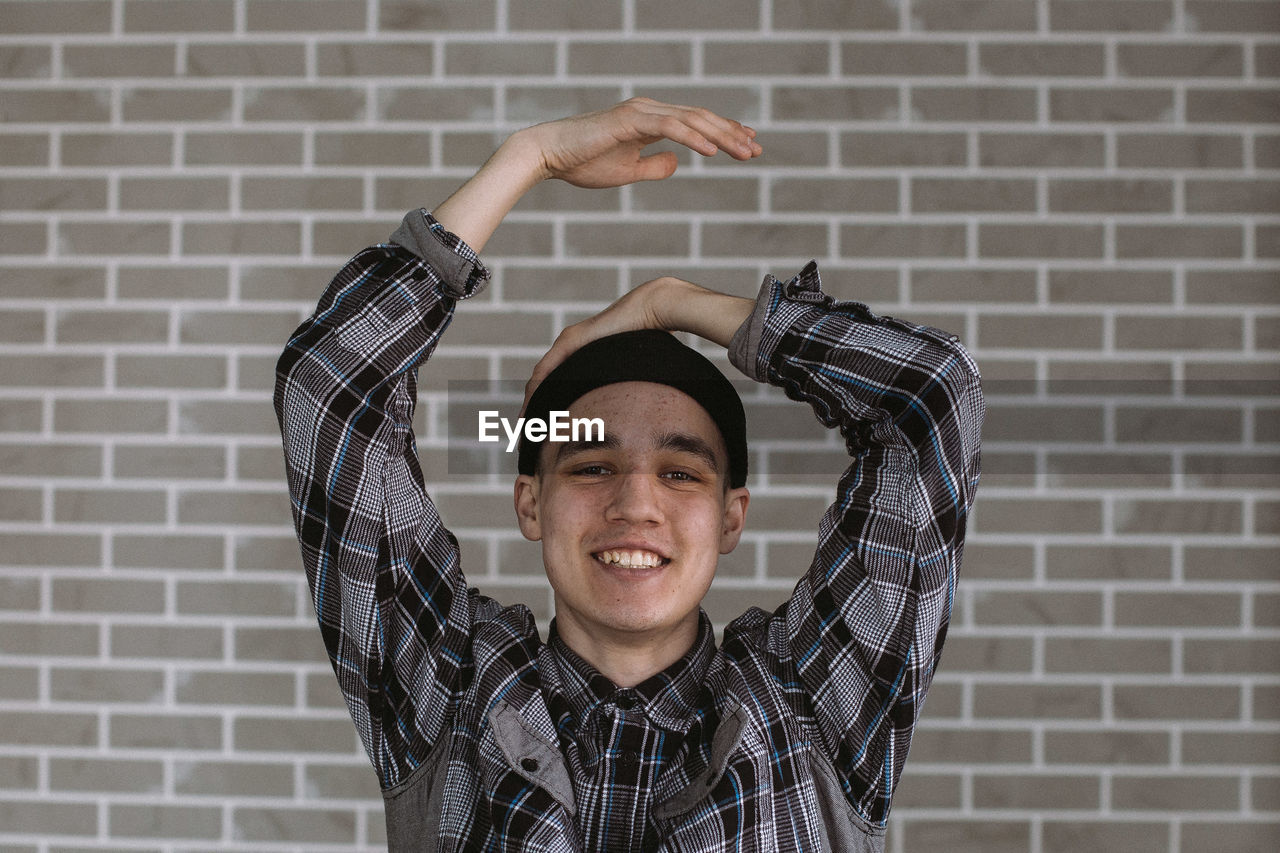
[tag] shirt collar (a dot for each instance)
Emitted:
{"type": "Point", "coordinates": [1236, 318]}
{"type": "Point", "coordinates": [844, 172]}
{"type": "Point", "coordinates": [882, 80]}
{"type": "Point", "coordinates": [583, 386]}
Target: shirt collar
{"type": "Point", "coordinates": [669, 698]}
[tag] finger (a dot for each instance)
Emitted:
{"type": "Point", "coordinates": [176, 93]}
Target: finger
{"type": "Point", "coordinates": [728, 135]}
{"type": "Point", "coordinates": [655, 167]}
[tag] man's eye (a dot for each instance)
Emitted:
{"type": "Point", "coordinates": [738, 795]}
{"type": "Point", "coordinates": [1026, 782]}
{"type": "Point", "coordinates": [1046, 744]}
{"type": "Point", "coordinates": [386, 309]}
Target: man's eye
{"type": "Point", "coordinates": [681, 476]}
{"type": "Point", "coordinates": [591, 470]}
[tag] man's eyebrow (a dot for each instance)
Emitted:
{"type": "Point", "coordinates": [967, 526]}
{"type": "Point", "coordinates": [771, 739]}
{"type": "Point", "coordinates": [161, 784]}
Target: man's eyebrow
{"type": "Point", "coordinates": [568, 448]}
{"type": "Point", "coordinates": [684, 442]}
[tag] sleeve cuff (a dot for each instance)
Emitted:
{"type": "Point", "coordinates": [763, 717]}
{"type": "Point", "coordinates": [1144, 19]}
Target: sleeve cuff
{"type": "Point", "coordinates": [461, 273]}
{"type": "Point", "coordinates": [748, 342]}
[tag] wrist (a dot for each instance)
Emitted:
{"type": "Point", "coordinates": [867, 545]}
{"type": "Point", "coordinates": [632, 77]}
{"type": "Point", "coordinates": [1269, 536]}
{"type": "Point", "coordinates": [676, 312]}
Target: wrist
{"type": "Point", "coordinates": [523, 156]}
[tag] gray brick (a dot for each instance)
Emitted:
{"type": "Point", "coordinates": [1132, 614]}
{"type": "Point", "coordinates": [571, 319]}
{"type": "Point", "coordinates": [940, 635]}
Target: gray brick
{"type": "Point", "coordinates": [205, 687]}
{"type": "Point", "coordinates": [1233, 748]}
{"type": "Point", "coordinates": [1266, 702]}
{"type": "Point", "coordinates": [1041, 791]}
{"type": "Point", "coordinates": [973, 285]}
{"type": "Point", "coordinates": [1039, 331]}
{"type": "Point", "coordinates": [47, 193]}
{"type": "Point", "coordinates": [1226, 562]}
{"type": "Point", "coordinates": [21, 415]}
{"type": "Point", "coordinates": [233, 778]}
{"type": "Point", "coordinates": [48, 638]}
{"type": "Point", "coordinates": [1000, 515]}
{"type": "Point", "coordinates": [20, 593]}
{"type": "Point", "coordinates": [293, 282]}
{"type": "Point", "coordinates": [165, 641]}
{"type": "Point", "coordinates": [973, 103]}
{"type": "Point", "coordinates": [163, 731]}
{"type": "Point", "coordinates": [1265, 793]}
{"type": "Point", "coordinates": [169, 371]}
{"type": "Point", "coordinates": [1040, 241]}
{"type": "Point", "coordinates": [276, 734]}
{"type": "Point", "coordinates": [1105, 196]}
{"type": "Point", "coordinates": [774, 240]}
{"type": "Point", "coordinates": [1110, 15]}
{"type": "Point", "coordinates": [634, 238]}
{"type": "Point", "coordinates": [1230, 472]}
{"type": "Point", "coordinates": [56, 16]}
{"type": "Point", "coordinates": [25, 149]}
{"type": "Point", "coordinates": [1257, 835]}
{"type": "Point", "coordinates": [267, 553]}
{"type": "Point", "coordinates": [765, 58]}
{"type": "Point", "coordinates": [1025, 422]}
{"type": "Point", "coordinates": [989, 836]}
{"type": "Point", "coordinates": [294, 15]}
{"type": "Point", "coordinates": [1037, 150]}
{"type": "Point", "coordinates": [980, 653]}
{"type": "Point", "coordinates": [1036, 607]}
{"type": "Point", "coordinates": [22, 327]}
{"type": "Point", "coordinates": [56, 105]}
{"type": "Point", "coordinates": [244, 237]}
{"type": "Point", "coordinates": [1115, 470]}
{"type": "Point", "coordinates": [788, 148]}
{"type": "Point", "coordinates": [1224, 657]}
{"type": "Point", "coordinates": [157, 821]}
{"type": "Point", "coordinates": [246, 60]}
{"type": "Point", "coordinates": [311, 193]}
{"type": "Point", "coordinates": [1107, 747]}
{"type": "Point", "coordinates": [327, 826]}
{"type": "Point", "coordinates": [970, 15]}
{"type": "Point", "coordinates": [1107, 655]}
{"type": "Point", "coordinates": [508, 58]}
{"type": "Point", "coordinates": [927, 790]}
{"type": "Point", "coordinates": [1108, 835]}
{"type": "Point", "coordinates": [903, 58]}
{"type": "Point", "coordinates": [827, 103]}
{"type": "Point", "coordinates": [113, 238]}
{"type": "Point", "coordinates": [47, 728]}
{"type": "Point", "coordinates": [1176, 702]}
{"type": "Point", "coordinates": [322, 692]}
{"type": "Point", "coordinates": [20, 771]}
{"type": "Point", "coordinates": [1219, 106]}
{"type": "Point", "coordinates": [110, 416]}
{"type": "Point", "coordinates": [48, 819]}
{"type": "Point", "coordinates": [119, 60]}
{"type": "Point", "coordinates": [540, 103]}
{"type": "Point", "coordinates": [1037, 701]}
{"type": "Point", "coordinates": [266, 148]}
{"type": "Point", "coordinates": [21, 61]}
{"type": "Point", "coordinates": [395, 16]}
{"type": "Point", "coordinates": [185, 551]}
{"type": "Point", "coordinates": [1068, 286]}
{"type": "Point", "coordinates": [1179, 241]}
{"type": "Point", "coordinates": [1243, 16]}
{"type": "Point", "coordinates": [963, 195]}
{"type": "Point", "coordinates": [116, 149]}
{"type": "Point", "coordinates": [233, 507]}
{"type": "Point", "coordinates": [1235, 196]}
{"type": "Point", "coordinates": [55, 370]}
{"type": "Point", "coordinates": [102, 326]}
{"type": "Point", "coordinates": [97, 774]}
{"type": "Point", "coordinates": [341, 239]}
{"type": "Point", "coordinates": [1164, 59]}
{"type": "Point", "coordinates": [971, 745]}
{"type": "Point", "coordinates": [22, 505]}
{"type": "Point", "coordinates": [1042, 59]}
{"type": "Point", "coordinates": [339, 781]}
{"type": "Point", "coordinates": [1183, 517]}
{"type": "Point", "coordinates": [437, 104]}
{"type": "Point", "coordinates": [101, 684]}
{"type": "Point", "coordinates": [886, 148]}
{"type": "Point", "coordinates": [177, 16]}
{"type": "Point", "coordinates": [375, 149]}
{"type": "Point", "coordinates": [174, 105]}
{"type": "Point", "coordinates": [185, 281]}
{"type": "Point", "coordinates": [53, 282]}
{"type": "Point", "coordinates": [107, 595]}
{"type": "Point", "coordinates": [298, 103]}
{"type": "Point", "coordinates": [301, 643]}
{"type": "Point", "coordinates": [365, 59]}
{"type": "Point", "coordinates": [1177, 332]}
{"type": "Point", "coordinates": [1107, 562]}
{"type": "Point", "coordinates": [905, 240]}
{"type": "Point", "coordinates": [24, 238]}
{"type": "Point", "coordinates": [997, 561]}
{"type": "Point", "coordinates": [186, 193]}
{"type": "Point", "coordinates": [1178, 151]}
{"type": "Point", "coordinates": [50, 549]}
{"type": "Point", "coordinates": [560, 15]}
{"type": "Point", "coordinates": [1169, 792]}
{"type": "Point", "coordinates": [1112, 104]}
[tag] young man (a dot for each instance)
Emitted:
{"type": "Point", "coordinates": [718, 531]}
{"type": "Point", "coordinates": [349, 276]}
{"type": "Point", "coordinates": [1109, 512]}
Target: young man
{"type": "Point", "coordinates": [628, 730]}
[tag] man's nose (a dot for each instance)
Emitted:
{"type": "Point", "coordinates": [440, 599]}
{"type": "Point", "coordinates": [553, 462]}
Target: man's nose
{"type": "Point", "coordinates": [635, 499]}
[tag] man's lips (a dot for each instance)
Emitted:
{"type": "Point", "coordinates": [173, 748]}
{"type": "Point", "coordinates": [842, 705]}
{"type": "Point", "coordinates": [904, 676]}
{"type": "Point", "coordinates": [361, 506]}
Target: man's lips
{"type": "Point", "coordinates": [630, 557]}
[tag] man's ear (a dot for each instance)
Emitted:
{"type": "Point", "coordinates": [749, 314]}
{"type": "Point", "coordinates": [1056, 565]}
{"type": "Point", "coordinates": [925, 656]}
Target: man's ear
{"type": "Point", "coordinates": [526, 502]}
{"type": "Point", "coordinates": [735, 518]}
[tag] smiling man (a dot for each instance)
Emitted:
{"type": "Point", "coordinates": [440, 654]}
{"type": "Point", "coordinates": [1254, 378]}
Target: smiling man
{"type": "Point", "coordinates": [629, 730]}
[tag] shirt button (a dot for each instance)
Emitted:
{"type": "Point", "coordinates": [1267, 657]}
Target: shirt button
{"type": "Point", "coordinates": [529, 764]}
{"type": "Point", "coordinates": [625, 699]}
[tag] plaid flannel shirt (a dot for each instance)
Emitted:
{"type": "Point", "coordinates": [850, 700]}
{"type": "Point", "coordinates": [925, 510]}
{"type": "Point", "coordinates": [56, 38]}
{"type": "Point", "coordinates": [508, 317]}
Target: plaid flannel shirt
{"type": "Point", "coordinates": [789, 736]}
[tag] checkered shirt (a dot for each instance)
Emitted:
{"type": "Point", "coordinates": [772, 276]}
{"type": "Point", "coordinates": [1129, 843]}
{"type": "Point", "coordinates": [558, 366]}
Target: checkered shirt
{"type": "Point", "coordinates": [839, 671]}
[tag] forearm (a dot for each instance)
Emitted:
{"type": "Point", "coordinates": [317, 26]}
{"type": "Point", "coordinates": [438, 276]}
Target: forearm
{"type": "Point", "coordinates": [684, 307]}
{"type": "Point", "coordinates": [476, 209]}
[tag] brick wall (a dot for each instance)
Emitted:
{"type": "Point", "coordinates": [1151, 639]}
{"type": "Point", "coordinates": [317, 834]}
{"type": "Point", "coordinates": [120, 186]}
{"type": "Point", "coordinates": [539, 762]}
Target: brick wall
{"type": "Point", "coordinates": [1084, 190]}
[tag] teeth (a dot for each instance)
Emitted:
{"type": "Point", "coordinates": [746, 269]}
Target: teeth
{"type": "Point", "coordinates": [631, 559]}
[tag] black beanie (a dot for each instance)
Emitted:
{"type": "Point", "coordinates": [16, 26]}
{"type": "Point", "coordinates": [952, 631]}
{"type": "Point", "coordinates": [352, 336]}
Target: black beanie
{"type": "Point", "coordinates": [644, 355]}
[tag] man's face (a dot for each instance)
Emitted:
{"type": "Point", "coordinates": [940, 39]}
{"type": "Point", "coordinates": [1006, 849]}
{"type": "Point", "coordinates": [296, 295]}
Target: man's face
{"type": "Point", "coordinates": [632, 527]}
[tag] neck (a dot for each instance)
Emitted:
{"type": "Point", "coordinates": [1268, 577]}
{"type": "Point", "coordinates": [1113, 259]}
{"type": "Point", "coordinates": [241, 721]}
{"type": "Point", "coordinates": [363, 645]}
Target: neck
{"type": "Point", "coordinates": [627, 658]}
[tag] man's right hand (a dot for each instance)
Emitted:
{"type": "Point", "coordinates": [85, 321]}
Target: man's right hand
{"type": "Point", "coordinates": [599, 149]}
{"type": "Point", "coordinates": [603, 149]}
